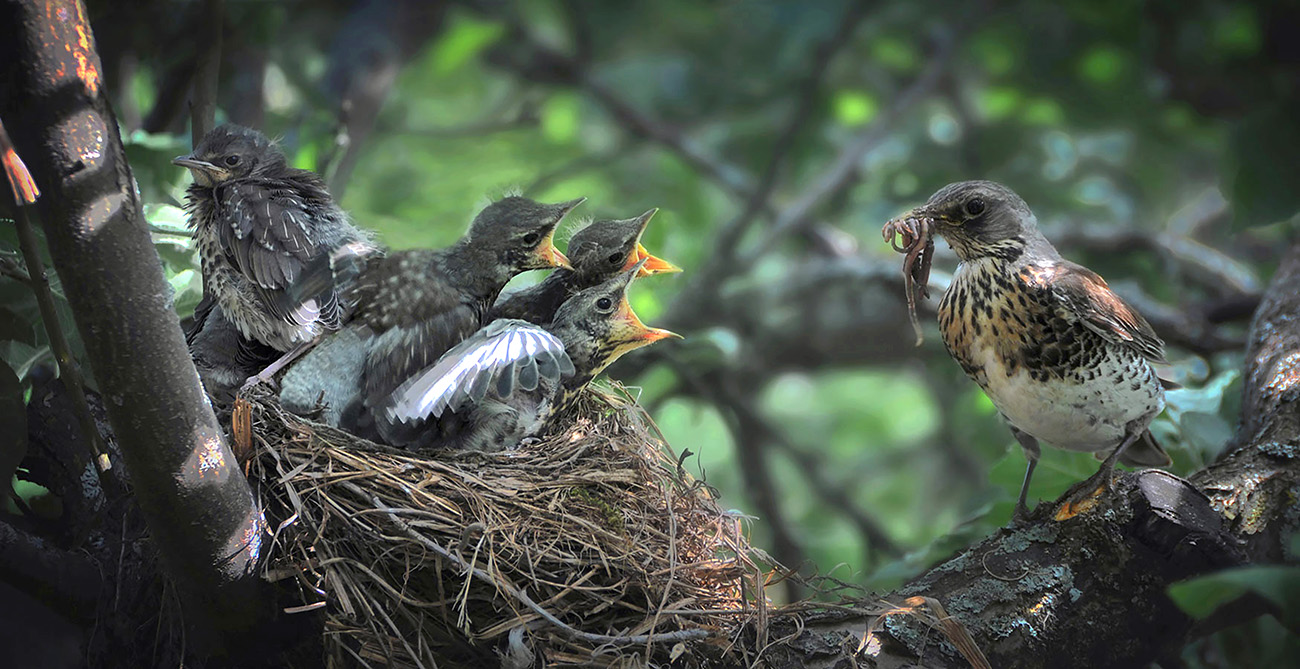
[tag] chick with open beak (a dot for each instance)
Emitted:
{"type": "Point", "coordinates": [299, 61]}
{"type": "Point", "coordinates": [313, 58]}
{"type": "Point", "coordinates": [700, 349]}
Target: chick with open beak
{"type": "Point", "coordinates": [510, 379]}
{"type": "Point", "coordinates": [414, 305]}
{"type": "Point", "coordinates": [597, 252]}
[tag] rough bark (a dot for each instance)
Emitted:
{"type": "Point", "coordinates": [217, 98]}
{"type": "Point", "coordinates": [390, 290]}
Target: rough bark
{"type": "Point", "coordinates": [1090, 590]}
{"type": "Point", "coordinates": [198, 505]}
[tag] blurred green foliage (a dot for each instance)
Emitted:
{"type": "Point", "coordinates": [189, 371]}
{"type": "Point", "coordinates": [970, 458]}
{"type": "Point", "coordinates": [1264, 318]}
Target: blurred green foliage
{"type": "Point", "coordinates": [1103, 115]}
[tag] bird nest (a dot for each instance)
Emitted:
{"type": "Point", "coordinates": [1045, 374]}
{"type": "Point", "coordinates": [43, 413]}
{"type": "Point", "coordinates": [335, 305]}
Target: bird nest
{"type": "Point", "coordinates": [591, 546]}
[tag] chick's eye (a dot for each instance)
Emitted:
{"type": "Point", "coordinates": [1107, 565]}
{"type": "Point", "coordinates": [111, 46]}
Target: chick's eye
{"type": "Point", "coordinates": [615, 259]}
{"type": "Point", "coordinates": [975, 207]}
{"type": "Point", "coordinates": [604, 304]}
{"type": "Point", "coordinates": [232, 160]}
{"type": "Point", "coordinates": [531, 238]}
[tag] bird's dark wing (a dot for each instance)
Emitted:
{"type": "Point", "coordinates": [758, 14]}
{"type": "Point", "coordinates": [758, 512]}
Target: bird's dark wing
{"type": "Point", "coordinates": [401, 351]}
{"type": "Point", "coordinates": [266, 230]}
{"type": "Point", "coordinates": [1086, 299]}
{"type": "Point", "coordinates": [201, 312]}
{"type": "Point", "coordinates": [500, 358]}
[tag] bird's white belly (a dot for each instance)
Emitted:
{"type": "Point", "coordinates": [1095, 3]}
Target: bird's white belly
{"type": "Point", "coordinates": [1073, 413]}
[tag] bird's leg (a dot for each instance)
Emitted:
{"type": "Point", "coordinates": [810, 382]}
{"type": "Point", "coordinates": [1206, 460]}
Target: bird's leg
{"type": "Point", "coordinates": [1077, 499]}
{"type": "Point", "coordinates": [268, 375]}
{"type": "Point", "coordinates": [1032, 452]}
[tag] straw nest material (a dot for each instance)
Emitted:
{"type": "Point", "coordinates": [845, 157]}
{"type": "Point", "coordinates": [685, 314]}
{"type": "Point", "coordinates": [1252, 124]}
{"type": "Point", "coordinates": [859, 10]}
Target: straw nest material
{"type": "Point", "coordinates": [591, 546]}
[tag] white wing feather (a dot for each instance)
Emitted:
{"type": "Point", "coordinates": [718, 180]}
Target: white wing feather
{"type": "Point", "coordinates": [502, 356]}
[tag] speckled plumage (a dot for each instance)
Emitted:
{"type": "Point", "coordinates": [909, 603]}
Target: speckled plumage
{"type": "Point", "coordinates": [412, 306]}
{"type": "Point", "coordinates": [595, 327]}
{"type": "Point", "coordinates": [1062, 357]}
{"type": "Point", "coordinates": [257, 223]}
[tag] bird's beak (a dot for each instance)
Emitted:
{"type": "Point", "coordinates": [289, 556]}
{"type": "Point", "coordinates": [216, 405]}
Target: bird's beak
{"type": "Point", "coordinates": [930, 213]}
{"type": "Point", "coordinates": [633, 332]}
{"type": "Point", "coordinates": [205, 173]}
{"type": "Point", "coordinates": [566, 207]}
{"type": "Point", "coordinates": [653, 265]}
{"type": "Point", "coordinates": [549, 256]}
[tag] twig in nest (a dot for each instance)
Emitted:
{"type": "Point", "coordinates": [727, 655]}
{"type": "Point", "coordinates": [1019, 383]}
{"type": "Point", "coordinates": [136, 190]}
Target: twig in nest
{"type": "Point", "coordinates": [679, 635]}
{"type": "Point", "coordinates": [936, 617]}
{"type": "Point", "coordinates": [918, 244]}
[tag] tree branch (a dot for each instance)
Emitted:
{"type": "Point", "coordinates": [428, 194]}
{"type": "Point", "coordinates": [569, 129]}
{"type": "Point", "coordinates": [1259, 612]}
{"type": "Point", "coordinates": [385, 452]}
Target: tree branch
{"type": "Point", "coordinates": [69, 370]}
{"type": "Point", "coordinates": [203, 100]}
{"type": "Point", "coordinates": [1033, 596]}
{"type": "Point", "coordinates": [840, 175]}
{"type": "Point", "coordinates": [198, 505]}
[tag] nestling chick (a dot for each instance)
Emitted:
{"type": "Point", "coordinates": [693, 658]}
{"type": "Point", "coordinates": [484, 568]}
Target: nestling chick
{"type": "Point", "coordinates": [412, 306]}
{"type": "Point", "coordinates": [598, 252]}
{"type": "Point", "coordinates": [511, 378]}
{"type": "Point", "coordinates": [257, 223]}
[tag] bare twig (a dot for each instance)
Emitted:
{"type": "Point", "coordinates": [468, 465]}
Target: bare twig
{"type": "Point", "coordinates": [730, 234]}
{"type": "Point", "coordinates": [841, 174]}
{"type": "Point", "coordinates": [814, 472]}
{"type": "Point", "coordinates": [1206, 265]}
{"type": "Point", "coordinates": [25, 194]}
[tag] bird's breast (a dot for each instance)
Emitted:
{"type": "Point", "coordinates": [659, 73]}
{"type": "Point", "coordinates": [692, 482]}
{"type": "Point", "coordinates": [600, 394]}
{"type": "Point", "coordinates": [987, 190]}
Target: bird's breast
{"type": "Point", "coordinates": [1047, 374]}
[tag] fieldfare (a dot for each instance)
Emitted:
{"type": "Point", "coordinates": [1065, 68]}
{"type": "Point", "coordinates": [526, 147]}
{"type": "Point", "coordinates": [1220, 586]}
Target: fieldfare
{"type": "Point", "coordinates": [1062, 357]}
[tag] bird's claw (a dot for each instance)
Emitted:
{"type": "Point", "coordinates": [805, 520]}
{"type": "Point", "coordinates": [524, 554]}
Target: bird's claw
{"type": "Point", "coordinates": [1083, 496]}
{"type": "Point", "coordinates": [1020, 516]}
{"type": "Point", "coordinates": [253, 381]}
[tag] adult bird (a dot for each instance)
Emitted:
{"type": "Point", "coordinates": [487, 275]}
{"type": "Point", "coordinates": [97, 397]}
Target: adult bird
{"type": "Point", "coordinates": [258, 224]}
{"type": "Point", "coordinates": [510, 379]}
{"type": "Point", "coordinates": [412, 306]}
{"type": "Point", "coordinates": [1062, 357]}
{"type": "Point", "coordinates": [597, 252]}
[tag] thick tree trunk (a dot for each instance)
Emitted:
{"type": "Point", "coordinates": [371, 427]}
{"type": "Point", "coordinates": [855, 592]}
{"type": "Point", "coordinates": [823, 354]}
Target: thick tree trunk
{"type": "Point", "coordinates": [1090, 590]}
{"type": "Point", "coordinates": [198, 505]}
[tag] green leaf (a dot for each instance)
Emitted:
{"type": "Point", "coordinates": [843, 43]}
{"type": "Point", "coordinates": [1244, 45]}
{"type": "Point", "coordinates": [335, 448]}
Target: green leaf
{"type": "Point", "coordinates": [1237, 33]}
{"type": "Point", "coordinates": [854, 108]}
{"type": "Point", "coordinates": [1199, 597]}
{"type": "Point", "coordinates": [559, 118]}
{"type": "Point", "coordinates": [894, 53]}
{"type": "Point", "coordinates": [465, 38]}
{"type": "Point", "coordinates": [167, 219]}
{"type": "Point", "coordinates": [22, 357]}
{"type": "Point", "coordinates": [1102, 65]}
{"type": "Point", "coordinates": [13, 439]}
{"type": "Point", "coordinates": [998, 102]}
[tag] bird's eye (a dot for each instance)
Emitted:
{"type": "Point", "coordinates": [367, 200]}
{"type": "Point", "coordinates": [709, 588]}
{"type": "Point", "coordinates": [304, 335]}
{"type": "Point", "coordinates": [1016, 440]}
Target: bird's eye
{"type": "Point", "coordinates": [232, 160]}
{"type": "Point", "coordinates": [975, 207]}
{"type": "Point", "coordinates": [531, 238]}
{"type": "Point", "coordinates": [604, 304]}
{"type": "Point", "coordinates": [616, 259]}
